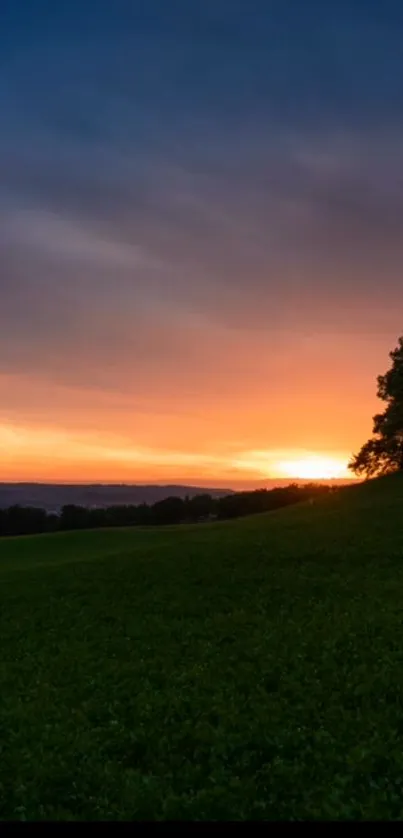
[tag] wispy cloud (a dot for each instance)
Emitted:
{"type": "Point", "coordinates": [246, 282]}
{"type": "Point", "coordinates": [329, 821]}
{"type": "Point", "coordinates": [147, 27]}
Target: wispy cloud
{"type": "Point", "coordinates": [109, 454]}
{"type": "Point", "coordinates": [200, 214]}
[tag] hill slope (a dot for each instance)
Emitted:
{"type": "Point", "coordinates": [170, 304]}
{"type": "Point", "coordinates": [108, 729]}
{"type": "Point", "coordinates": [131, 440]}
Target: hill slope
{"type": "Point", "coordinates": [239, 670]}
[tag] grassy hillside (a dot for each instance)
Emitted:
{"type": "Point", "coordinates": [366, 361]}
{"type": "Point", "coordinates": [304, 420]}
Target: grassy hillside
{"type": "Point", "coordinates": [240, 670]}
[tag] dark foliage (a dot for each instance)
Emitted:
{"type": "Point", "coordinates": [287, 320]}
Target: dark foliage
{"type": "Point", "coordinates": [383, 453]}
{"type": "Point", "coordinates": [21, 520]}
{"type": "Point", "coordinates": [24, 520]}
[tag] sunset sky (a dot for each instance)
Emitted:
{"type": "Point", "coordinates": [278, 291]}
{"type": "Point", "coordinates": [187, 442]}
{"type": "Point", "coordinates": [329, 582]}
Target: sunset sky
{"type": "Point", "coordinates": [201, 235]}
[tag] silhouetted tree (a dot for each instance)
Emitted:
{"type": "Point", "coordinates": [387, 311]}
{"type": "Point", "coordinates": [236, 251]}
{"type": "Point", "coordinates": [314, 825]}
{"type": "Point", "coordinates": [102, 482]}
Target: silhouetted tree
{"type": "Point", "coordinates": [200, 507]}
{"type": "Point", "coordinates": [20, 520]}
{"type": "Point", "coordinates": [74, 517]}
{"type": "Point", "coordinates": [168, 511]}
{"type": "Point", "coordinates": [383, 453]}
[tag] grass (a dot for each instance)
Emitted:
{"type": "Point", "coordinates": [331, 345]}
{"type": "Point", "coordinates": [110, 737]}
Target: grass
{"type": "Point", "coordinates": [249, 669]}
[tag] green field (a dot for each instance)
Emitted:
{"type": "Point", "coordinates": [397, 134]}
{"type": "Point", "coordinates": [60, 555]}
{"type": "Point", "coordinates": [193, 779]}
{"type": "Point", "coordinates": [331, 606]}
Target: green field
{"type": "Point", "coordinates": [248, 669]}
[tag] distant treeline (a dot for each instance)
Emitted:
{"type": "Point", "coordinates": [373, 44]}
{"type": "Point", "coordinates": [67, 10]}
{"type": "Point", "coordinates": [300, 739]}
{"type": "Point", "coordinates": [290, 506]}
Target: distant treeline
{"type": "Point", "coordinates": [26, 520]}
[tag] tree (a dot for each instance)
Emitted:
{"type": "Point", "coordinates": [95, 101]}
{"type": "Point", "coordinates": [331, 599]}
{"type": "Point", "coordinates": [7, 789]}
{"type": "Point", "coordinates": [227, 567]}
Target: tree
{"type": "Point", "coordinates": [383, 453]}
{"type": "Point", "coordinates": [167, 511]}
{"type": "Point", "coordinates": [73, 517]}
{"type": "Point", "coordinates": [200, 507]}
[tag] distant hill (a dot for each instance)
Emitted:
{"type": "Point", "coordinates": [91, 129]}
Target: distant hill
{"type": "Point", "coordinates": [53, 496]}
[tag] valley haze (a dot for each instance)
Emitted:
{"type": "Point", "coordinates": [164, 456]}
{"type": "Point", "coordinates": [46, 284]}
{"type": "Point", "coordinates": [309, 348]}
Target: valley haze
{"type": "Point", "coordinates": [52, 496]}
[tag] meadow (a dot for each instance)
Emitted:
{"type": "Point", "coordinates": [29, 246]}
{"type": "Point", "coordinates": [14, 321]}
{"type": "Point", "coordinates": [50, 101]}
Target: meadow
{"type": "Point", "coordinates": [250, 669]}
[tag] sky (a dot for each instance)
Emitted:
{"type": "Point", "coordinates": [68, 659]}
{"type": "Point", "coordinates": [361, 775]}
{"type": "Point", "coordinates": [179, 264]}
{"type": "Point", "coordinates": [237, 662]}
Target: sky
{"type": "Point", "coordinates": [201, 256]}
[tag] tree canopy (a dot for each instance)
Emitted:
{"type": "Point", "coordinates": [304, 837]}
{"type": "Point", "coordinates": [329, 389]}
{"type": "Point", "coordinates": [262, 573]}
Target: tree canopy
{"type": "Point", "coordinates": [383, 453]}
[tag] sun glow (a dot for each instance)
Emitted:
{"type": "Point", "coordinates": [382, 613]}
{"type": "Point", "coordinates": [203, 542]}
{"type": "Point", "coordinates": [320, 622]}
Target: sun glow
{"type": "Point", "coordinates": [315, 467]}
{"type": "Point", "coordinates": [52, 454]}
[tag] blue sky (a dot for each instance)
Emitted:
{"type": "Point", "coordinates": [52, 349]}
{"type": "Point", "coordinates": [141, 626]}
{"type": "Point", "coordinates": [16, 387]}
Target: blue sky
{"type": "Point", "coordinates": [191, 193]}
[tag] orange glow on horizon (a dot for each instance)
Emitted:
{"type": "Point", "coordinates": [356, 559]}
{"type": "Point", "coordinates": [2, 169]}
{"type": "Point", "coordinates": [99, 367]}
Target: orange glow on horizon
{"type": "Point", "coordinates": [315, 467]}
{"type": "Point", "coordinates": [50, 455]}
{"type": "Point", "coordinates": [226, 430]}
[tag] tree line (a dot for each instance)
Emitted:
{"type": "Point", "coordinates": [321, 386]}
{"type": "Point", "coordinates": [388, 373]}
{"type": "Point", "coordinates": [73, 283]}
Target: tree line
{"type": "Point", "coordinates": [383, 452]}
{"type": "Point", "coordinates": [26, 520]}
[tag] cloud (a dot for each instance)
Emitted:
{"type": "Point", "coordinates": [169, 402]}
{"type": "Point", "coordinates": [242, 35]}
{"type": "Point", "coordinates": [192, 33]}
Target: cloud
{"type": "Point", "coordinates": [58, 238]}
{"type": "Point", "coordinates": [186, 199]}
{"type": "Point", "coordinates": [105, 453]}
